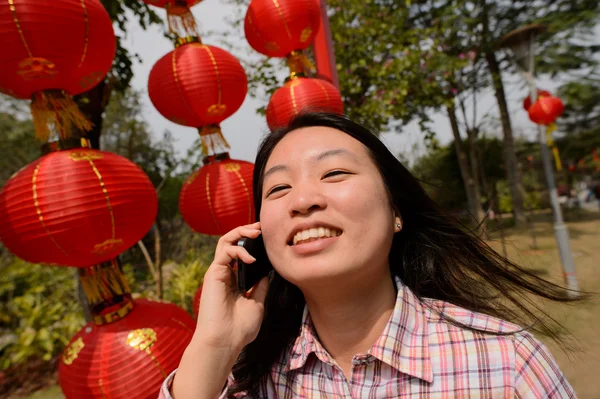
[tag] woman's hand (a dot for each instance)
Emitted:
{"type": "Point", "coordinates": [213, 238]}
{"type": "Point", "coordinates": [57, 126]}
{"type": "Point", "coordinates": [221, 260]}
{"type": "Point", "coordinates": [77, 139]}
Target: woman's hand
{"type": "Point", "coordinates": [228, 318]}
{"type": "Point", "coordinates": [227, 321]}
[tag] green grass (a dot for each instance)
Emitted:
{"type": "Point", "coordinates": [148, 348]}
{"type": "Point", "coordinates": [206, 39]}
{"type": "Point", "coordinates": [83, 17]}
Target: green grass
{"type": "Point", "coordinates": [53, 392]}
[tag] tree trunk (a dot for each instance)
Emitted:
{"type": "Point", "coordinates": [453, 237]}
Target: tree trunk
{"type": "Point", "coordinates": [471, 189]}
{"type": "Point", "coordinates": [92, 104]}
{"type": "Point", "coordinates": [474, 160]}
{"type": "Point", "coordinates": [510, 156]}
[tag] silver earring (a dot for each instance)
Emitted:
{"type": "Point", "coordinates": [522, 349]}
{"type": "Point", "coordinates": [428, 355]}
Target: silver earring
{"type": "Point", "coordinates": [398, 225]}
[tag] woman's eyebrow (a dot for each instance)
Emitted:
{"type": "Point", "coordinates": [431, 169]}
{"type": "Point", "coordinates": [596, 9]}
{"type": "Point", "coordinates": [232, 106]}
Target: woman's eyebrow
{"type": "Point", "coordinates": [335, 152]}
{"type": "Point", "coordinates": [317, 158]}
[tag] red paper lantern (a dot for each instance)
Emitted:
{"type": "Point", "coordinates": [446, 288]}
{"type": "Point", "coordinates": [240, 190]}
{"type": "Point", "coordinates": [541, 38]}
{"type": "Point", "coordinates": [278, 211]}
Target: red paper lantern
{"type": "Point", "coordinates": [129, 358]}
{"type": "Point", "coordinates": [54, 49]}
{"type": "Point", "coordinates": [302, 94]}
{"type": "Point", "coordinates": [76, 207]}
{"type": "Point", "coordinates": [527, 100]}
{"type": "Point", "coordinates": [546, 110]}
{"type": "Point", "coordinates": [218, 197]}
{"type": "Point", "coordinates": [197, 300]}
{"type": "Point", "coordinates": [197, 85]}
{"type": "Point", "coordinates": [275, 28]}
{"type": "Point", "coordinates": [179, 16]}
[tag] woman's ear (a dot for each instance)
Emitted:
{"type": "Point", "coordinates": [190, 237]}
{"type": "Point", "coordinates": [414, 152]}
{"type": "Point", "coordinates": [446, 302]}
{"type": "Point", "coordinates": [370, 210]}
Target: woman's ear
{"type": "Point", "coordinates": [397, 221]}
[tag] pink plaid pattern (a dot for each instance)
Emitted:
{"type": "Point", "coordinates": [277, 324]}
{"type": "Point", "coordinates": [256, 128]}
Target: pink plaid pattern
{"type": "Point", "coordinates": [420, 355]}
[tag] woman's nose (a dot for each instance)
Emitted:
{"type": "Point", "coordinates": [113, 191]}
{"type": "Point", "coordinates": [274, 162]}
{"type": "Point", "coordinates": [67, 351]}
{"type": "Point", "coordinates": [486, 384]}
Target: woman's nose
{"type": "Point", "coordinates": [306, 198]}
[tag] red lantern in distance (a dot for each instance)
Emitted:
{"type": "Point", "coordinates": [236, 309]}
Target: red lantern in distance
{"type": "Point", "coordinates": [52, 50]}
{"type": "Point", "coordinates": [77, 207]}
{"type": "Point", "coordinates": [527, 100]}
{"type": "Point", "coordinates": [276, 28]}
{"type": "Point", "coordinates": [546, 110]}
{"type": "Point", "coordinates": [302, 94]}
{"type": "Point", "coordinates": [218, 197]}
{"type": "Point", "coordinates": [197, 85]}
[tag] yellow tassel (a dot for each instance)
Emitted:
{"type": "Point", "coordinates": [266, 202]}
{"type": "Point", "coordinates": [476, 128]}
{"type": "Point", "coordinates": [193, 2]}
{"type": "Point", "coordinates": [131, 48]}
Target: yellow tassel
{"type": "Point", "coordinates": [102, 282]}
{"type": "Point", "coordinates": [557, 160]}
{"type": "Point", "coordinates": [212, 140]}
{"type": "Point", "coordinates": [54, 111]}
{"type": "Point", "coordinates": [181, 21]}
{"type": "Point", "coordinates": [299, 64]}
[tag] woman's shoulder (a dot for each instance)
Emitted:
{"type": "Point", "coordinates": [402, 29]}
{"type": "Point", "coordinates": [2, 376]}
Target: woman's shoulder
{"type": "Point", "coordinates": [452, 317]}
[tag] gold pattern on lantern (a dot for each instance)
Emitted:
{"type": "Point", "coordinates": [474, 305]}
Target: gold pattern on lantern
{"type": "Point", "coordinates": [232, 167]}
{"type": "Point", "coordinates": [306, 32]}
{"type": "Point", "coordinates": [38, 210]}
{"type": "Point", "coordinates": [85, 155]}
{"type": "Point", "coordinates": [141, 339]}
{"type": "Point", "coordinates": [217, 109]}
{"type": "Point", "coordinates": [72, 351]}
{"type": "Point", "coordinates": [287, 28]}
{"type": "Point", "coordinates": [235, 168]}
{"type": "Point", "coordinates": [87, 33]}
{"type": "Point", "coordinates": [107, 245]}
{"type": "Point", "coordinates": [192, 177]}
{"type": "Point", "coordinates": [13, 10]}
{"type": "Point", "coordinates": [36, 68]}
{"type": "Point", "coordinates": [113, 241]}
{"type": "Point", "coordinates": [210, 207]}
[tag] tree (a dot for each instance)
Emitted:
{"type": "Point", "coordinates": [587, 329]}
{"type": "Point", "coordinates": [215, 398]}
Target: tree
{"type": "Point", "coordinates": [579, 126]}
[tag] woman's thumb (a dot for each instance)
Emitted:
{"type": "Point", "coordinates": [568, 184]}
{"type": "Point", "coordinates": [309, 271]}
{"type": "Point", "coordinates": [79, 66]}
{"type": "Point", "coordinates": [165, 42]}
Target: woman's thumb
{"type": "Point", "coordinates": [259, 292]}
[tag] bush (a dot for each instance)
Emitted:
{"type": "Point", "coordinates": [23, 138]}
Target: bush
{"type": "Point", "coordinates": [39, 311]}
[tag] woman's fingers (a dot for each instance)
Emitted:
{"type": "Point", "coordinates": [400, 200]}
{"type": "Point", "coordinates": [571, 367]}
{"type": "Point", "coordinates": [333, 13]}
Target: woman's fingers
{"type": "Point", "coordinates": [232, 237]}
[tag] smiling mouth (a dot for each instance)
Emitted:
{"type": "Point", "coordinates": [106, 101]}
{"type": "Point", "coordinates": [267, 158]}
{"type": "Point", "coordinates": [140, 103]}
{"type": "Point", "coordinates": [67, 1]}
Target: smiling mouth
{"type": "Point", "coordinates": [313, 234]}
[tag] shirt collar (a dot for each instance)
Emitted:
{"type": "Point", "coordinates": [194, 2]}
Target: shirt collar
{"type": "Point", "coordinates": [403, 344]}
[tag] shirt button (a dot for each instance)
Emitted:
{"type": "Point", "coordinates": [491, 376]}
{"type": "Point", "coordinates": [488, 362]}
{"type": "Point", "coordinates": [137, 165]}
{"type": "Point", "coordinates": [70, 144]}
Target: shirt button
{"type": "Point", "coordinates": [362, 360]}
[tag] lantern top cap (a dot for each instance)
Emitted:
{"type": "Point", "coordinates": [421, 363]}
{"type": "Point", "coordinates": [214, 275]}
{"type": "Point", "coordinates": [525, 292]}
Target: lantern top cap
{"type": "Point", "coordinates": [521, 35]}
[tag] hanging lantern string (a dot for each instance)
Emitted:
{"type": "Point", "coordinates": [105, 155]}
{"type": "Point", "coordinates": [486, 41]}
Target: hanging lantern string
{"type": "Point", "coordinates": [180, 19]}
{"type": "Point", "coordinates": [55, 110]}
{"type": "Point", "coordinates": [212, 139]}
{"type": "Point", "coordinates": [299, 64]}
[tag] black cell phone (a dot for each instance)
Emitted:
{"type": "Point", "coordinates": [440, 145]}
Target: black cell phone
{"type": "Point", "coordinates": [252, 273]}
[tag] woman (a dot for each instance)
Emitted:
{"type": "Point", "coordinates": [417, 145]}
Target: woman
{"type": "Point", "coordinates": [376, 292]}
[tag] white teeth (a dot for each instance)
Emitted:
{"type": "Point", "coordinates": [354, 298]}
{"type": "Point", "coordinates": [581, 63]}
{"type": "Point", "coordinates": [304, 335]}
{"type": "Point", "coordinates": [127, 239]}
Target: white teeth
{"type": "Point", "coordinates": [315, 232]}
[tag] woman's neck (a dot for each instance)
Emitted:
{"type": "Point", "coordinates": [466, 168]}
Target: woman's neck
{"type": "Point", "coordinates": [349, 321]}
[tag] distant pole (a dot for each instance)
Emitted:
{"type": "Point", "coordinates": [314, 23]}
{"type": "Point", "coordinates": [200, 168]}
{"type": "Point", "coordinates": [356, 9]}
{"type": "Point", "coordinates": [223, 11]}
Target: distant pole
{"type": "Point", "coordinates": [522, 42]}
{"type": "Point", "coordinates": [323, 49]}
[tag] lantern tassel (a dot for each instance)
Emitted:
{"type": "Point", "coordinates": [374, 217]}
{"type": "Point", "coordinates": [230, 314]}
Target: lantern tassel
{"type": "Point", "coordinates": [55, 111]}
{"type": "Point", "coordinates": [212, 139]}
{"type": "Point", "coordinates": [299, 64]}
{"type": "Point", "coordinates": [181, 21]}
{"type": "Point", "coordinates": [107, 292]}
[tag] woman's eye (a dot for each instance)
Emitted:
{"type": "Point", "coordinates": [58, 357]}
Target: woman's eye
{"type": "Point", "coordinates": [335, 173]}
{"type": "Point", "coordinates": [277, 188]}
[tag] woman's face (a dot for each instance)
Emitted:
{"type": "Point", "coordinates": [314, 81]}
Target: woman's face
{"type": "Point", "coordinates": [325, 213]}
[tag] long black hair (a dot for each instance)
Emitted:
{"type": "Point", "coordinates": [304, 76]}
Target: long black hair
{"type": "Point", "coordinates": [434, 255]}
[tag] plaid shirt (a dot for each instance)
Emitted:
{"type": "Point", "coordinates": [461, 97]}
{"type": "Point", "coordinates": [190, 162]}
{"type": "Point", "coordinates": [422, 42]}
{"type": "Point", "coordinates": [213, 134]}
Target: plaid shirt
{"type": "Point", "coordinates": [420, 355]}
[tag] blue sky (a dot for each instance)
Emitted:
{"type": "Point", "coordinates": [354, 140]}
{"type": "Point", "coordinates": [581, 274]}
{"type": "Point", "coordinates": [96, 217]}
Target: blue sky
{"type": "Point", "coordinates": [245, 128]}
